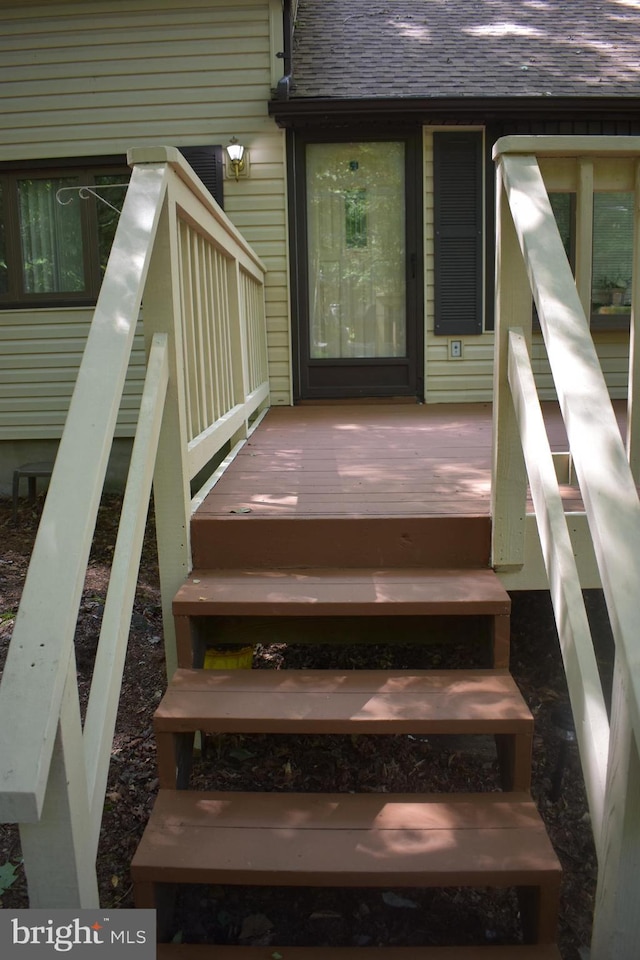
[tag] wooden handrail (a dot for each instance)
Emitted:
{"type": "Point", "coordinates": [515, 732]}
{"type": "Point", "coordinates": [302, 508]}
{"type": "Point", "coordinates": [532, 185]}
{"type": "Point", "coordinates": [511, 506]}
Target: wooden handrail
{"type": "Point", "coordinates": [52, 772]}
{"type": "Point", "coordinates": [37, 662]}
{"type": "Point", "coordinates": [583, 679]}
{"type": "Point", "coordinates": [529, 243]}
{"type": "Point", "coordinates": [599, 457]}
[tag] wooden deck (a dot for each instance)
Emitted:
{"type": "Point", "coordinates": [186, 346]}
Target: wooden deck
{"type": "Point", "coordinates": [372, 460]}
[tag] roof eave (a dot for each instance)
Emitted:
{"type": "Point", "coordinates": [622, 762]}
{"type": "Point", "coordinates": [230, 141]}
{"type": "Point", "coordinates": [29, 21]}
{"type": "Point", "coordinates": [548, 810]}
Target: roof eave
{"type": "Point", "coordinates": [303, 111]}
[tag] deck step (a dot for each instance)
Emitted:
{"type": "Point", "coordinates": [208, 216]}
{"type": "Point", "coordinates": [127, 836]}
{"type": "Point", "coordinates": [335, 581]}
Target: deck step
{"type": "Point", "coordinates": [340, 592]}
{"type": "Point", "coordinates": [320, 702]}
{"type": "Point", "coordinates": [239, 540]}
{"type": "Point", "coordinates": [186, 951]}
{"type": "Point", "coordinates": [351, 840]}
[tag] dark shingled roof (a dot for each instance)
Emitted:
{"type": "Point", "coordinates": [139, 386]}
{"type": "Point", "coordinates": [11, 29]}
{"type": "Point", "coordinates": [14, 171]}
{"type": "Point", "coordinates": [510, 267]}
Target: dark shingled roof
{"type": "Point", "coordinates": [356, 49]}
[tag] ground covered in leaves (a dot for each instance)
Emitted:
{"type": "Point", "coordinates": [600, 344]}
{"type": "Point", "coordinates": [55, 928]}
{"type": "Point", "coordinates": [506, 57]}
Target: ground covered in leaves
{"type": "Point", "coordinates": [375, 764]}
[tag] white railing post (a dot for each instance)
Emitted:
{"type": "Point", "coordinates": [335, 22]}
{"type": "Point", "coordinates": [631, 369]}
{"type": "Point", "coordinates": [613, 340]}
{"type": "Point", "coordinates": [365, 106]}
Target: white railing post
{"type": "Point", "coordinates": [52, 772]}
{"type": "Point", "coordinates": [616, 923]}
{"type": "Point", "coordinates": [580, 665]}
{"type": "Point", "coordinates": [171, 483]}
{"type": "Point", "coordinates": [239, 344]}
{"type": "Point", "coordinates": [633, 414]}
{"type": "Point", "coordinates": [584, 233]}
{"type": "Point", "coordinates": [513, 309]}
{"type": "Point", "coordinates": [607, 486]}
{"type": "Point", "coordinates": [106, 683]}
{"type": "Point", "coordinates": [59, 856]}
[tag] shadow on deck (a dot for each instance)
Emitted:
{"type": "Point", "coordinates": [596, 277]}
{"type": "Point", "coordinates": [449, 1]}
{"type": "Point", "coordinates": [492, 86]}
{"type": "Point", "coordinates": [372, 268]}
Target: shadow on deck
{"type": "Point", "coordinates": [299, 492]}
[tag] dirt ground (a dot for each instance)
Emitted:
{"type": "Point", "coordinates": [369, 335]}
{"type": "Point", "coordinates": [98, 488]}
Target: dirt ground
{"type": "Point", "coordinates": [387, 764]}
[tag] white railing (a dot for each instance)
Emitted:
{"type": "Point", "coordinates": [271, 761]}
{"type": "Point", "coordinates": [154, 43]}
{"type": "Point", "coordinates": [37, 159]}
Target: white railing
{"type": "Point", "coordinates": [532, 264]}
{"type": "Point", "coordinates": [204, 324]}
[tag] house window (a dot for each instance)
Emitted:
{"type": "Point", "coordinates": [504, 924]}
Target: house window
{"type": "Point", "coordinates": [612, 253]}
{"type": "Point", "coordinates": [54, 244]}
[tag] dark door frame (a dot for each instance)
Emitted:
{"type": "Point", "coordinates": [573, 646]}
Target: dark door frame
{"type": "Point", "coordinates": [349, 378]}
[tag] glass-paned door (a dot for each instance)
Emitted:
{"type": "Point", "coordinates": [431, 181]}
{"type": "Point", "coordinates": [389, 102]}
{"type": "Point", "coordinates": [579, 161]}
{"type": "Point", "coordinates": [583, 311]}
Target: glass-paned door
{"type": "Point", "coordinates": [356, 337]}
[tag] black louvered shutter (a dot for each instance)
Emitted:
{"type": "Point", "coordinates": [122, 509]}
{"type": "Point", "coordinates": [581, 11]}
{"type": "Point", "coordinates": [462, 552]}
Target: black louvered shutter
{"type": "Point", "coordinates": [458, 240]}
{"type": "Point", "coordinates": [207, 163]}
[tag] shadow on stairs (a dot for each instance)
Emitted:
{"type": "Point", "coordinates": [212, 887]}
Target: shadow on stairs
{"type": "Point", "coordinates": [346, 840]}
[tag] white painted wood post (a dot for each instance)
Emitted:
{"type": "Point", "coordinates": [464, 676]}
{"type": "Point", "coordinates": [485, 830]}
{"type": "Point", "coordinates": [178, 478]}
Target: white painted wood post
{"type": "Point", "coordinates": [171, 483]}
{"type": "Point", "coordinates": [581, 668]}
{"type": "Point", "coordinates": [584, 233]}
{"type": "Point", "coordinates": [513, 309]}
{"type": "Point", "coordinates": [59, 856]}
{"type": "Point", "coordinates": [239, 340]}
{"type": "Point", "coordinates": [633, 414]}
{"type": "Point", "coordinates": [616, 924]}
{"type": "Point", "coordinates": [106, 683]}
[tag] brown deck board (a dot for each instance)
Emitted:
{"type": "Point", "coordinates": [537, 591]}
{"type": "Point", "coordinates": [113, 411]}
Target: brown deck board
{"type": "Point", "coordinates": [346, 840]}
{"type": "Point", "coordinates": [360, 701]}
{"type": "Point", "coordinates": [319, 541]}
{"type": "Point", "coordinates": [335, 592]}
{"type": "Point", "coordinates": [361, 460]}
{"type": "Point", "coordinates": [318, 702]}
{"type": "Point", "coordinates": [371, 460]}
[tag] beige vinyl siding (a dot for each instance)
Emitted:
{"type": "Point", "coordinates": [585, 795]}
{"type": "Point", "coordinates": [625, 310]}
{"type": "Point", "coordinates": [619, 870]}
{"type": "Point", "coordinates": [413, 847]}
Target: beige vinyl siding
{"type": "Point", "coordinates": [97, 78]}
{"type": "Point", "coordinates": [613, 350]}
{"type": "Point", "coordinates": [470, 378]}
{"type": "Point", "coordinates": [40, 352]}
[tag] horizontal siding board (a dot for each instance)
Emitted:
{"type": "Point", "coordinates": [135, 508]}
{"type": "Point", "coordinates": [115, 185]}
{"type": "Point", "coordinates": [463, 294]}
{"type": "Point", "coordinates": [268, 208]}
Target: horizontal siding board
{"type": "Point", "coordinates": [279, 340]}
{"type": "Point", "coordinates": [29, 364]}
{"type": "Point", "coordinates": [27, 391]}
{"type": "Point", "coordinates": [44, 346]}
{"type": "Point", "coordinates": [40, 353]}
{"type": "Point", "coordinates": [42, 106]}
{"type": "Point", "coordinates": [96, 8]}
{"type": "Point", "coordinates": [107, 79]}
{"type": "Point", "coordinates": [102, 72]}
{"type": "Point", "coordinates": [151, 119]}
{"type": "Point", "coordinates": [128, 47]}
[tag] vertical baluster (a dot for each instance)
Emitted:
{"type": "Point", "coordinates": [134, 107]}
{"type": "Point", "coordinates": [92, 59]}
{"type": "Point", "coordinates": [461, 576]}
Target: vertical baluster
{"type": "Point", "coordinates": [513, 309]}
{"type": "Point", "coordinates": [186, 296]}
{"type": "Point", "coordinates": [239, 344]}
{"type": "Point", "coordinates": [200, 244]}
{"type": "Point", "coordinates": [171, 483]}
{"type": "Point", "coordinates": [584, 233]}
{"type": "Point", "coordinates": [214, 320]}
{"type": "Point", "coordinates": [206, 283]}
{"type": "Point", "coordinates": [226, 331]}
{"type": "Point", "coordinates": [633, 418]}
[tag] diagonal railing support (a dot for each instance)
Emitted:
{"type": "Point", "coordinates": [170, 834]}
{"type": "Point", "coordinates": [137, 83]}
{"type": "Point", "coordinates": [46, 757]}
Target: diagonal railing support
{"type": "Point", "coordinates": [607, 486]}
{"type": "Point", "coordinates": [52, 772]}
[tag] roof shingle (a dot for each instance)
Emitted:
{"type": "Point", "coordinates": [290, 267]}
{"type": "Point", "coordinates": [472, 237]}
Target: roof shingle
{"type": "Point", "coordinates": [466, 48]}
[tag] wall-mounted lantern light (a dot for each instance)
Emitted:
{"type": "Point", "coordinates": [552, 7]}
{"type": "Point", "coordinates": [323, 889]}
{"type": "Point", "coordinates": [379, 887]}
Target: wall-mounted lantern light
{"type": "Point", "coordinates": [238, 160]}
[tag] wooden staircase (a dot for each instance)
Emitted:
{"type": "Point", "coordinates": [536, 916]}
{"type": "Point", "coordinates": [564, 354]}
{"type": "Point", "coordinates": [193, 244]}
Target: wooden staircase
{"type": "Point", "coordinates": [473, 840]}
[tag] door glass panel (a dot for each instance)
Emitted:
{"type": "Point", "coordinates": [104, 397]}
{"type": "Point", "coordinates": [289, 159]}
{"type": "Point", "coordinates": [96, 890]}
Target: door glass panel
{"type": "Point", "coordinates": [356, 243]}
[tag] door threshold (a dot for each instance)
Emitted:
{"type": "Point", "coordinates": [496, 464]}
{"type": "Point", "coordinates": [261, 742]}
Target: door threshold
{"type": "Point", "coordinates": [357, 401]}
